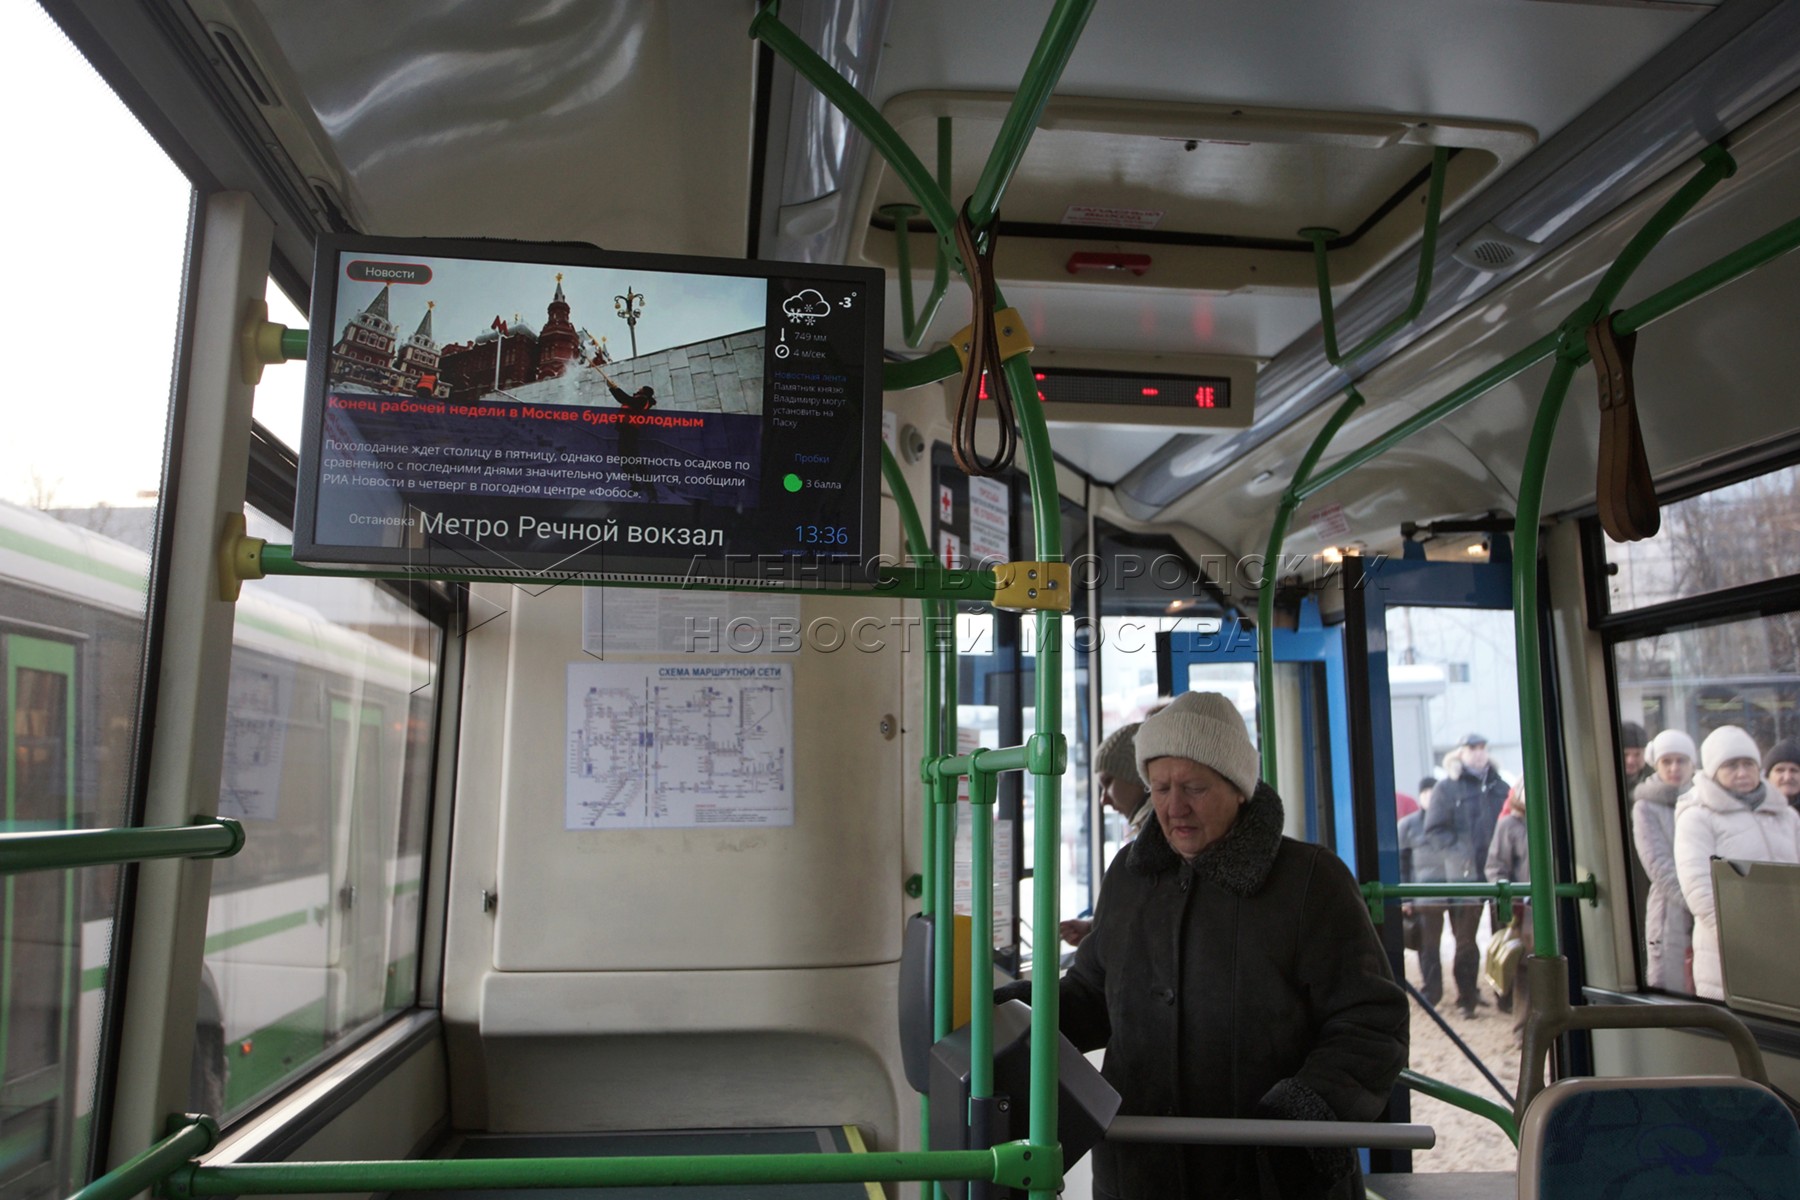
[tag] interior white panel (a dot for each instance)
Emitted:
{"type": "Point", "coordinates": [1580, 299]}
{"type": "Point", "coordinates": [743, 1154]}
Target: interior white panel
{"type": "Point", "coordinates": [824, 892]}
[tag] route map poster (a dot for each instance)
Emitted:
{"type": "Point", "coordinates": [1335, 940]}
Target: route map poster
{"type": "Point", "coordinates": [679, 746]}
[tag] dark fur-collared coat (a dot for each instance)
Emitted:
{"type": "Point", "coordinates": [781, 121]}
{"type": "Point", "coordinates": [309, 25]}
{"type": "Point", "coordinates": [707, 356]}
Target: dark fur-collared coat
{"type": "Point", "coordinates": [1246, 983]}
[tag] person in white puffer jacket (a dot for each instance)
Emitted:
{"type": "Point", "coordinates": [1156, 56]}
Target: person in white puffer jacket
{"type": "Point", "coordinates": [1731, 813]}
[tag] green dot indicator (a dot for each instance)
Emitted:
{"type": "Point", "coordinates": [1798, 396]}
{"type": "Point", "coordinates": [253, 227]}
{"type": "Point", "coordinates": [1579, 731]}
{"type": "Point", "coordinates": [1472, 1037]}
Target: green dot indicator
{"type": "Point", "coordinates": [793, 483]}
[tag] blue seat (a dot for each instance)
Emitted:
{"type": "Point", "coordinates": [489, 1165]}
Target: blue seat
{"type": "Point", "coordinates": [1676, 1138]}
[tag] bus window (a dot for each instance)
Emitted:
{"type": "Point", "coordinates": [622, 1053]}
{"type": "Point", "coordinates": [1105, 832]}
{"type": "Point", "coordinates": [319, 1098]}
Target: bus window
{"type": "Point", "coordinates": [313, 929]}
{"type": "Point", "coordinates": [1700, 623]}
{"type": "Point", "coordinates": [1733, 536]}
{"type": "Point", "coordinates": [81, 478]}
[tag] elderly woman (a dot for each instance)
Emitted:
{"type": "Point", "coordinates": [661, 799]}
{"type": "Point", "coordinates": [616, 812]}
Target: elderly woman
{"type": "Point", "coordinates": [1732, 814]}
{"type": "Point", "coordinates": [1231, 972]}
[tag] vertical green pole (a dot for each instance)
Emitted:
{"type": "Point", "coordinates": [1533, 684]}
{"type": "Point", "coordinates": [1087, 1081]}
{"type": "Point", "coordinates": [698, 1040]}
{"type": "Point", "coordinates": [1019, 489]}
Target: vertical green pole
{"type": "Point", "coordinates": [919, 551]}
{"type": "Point", "coordinates": [1046, 777]}
{"type": "Point", "coordinates": [1716, 164]}
{"type": "Point", "coordinates": [1265, 599]}
{"type": "Point", "coordinates": [1531, 680]}
{"type": "Point", "coordinates": [982, 789]}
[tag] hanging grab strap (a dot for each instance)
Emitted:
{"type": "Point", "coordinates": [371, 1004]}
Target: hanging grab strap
{"type": "Point", "coordinates": [1624, 489]}
{"type": "Point", "coordinates": [982, 360]}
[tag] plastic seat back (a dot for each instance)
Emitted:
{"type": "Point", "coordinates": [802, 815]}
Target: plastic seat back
{"type": "Point", "coordinates": [1676, 1138]}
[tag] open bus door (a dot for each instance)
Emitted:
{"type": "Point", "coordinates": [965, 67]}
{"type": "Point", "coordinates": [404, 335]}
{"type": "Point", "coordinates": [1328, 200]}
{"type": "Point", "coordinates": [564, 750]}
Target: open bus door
{"type": "Point", "coordinates": [1312, 657]}
{"type": "Point", "coordinates": [39, 944]}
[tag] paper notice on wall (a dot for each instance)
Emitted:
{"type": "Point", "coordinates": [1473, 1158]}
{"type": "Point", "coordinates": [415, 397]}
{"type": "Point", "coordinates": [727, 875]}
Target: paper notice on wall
{"type": "Point", "coordinates": [990, 522]}
{"type": "Point", "coordinates": [966, 740]}
{"type": "Point", "coordinates": [890, 432]}
{"type": "Point", "coordinates": [255, 742]}
{"type": "Point", "coordinates": [1003, 889]}
{"type": "Point", "coordinates": [679, 745]}
{"type": "Point", "coordinates": [643, 621]}
{"type": "Point", "coordinates": [1329, 523]}
{"type": "Point", "coordinates": [1112, 218]}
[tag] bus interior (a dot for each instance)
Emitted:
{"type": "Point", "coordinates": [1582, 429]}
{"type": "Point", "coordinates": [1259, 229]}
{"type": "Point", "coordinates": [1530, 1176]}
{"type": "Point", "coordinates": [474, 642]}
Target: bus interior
{"type": "Point", "coordinates": [1410, 372]}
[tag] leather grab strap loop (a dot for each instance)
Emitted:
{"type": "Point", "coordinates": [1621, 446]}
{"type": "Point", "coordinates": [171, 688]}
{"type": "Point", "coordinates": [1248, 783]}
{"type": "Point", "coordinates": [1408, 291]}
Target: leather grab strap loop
{"type": "Point", "coordinates": [983, 360]}
{"type": "Point", "coordinates": [1624, 490]}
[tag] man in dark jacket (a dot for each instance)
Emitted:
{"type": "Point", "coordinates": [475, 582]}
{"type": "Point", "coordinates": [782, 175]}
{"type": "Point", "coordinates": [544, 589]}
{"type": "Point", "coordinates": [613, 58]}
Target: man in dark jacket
{"type": "Point", "coordinates": [1459, 823]}
{"type": "Point", "coordinates": [1421, 862]}
{"type": "Point", "coordinates": [1231, 972]}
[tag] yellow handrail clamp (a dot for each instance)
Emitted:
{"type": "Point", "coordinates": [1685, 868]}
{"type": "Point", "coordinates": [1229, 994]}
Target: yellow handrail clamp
{"type": "Point", "coordinates": [240, 558]}
{"type": "Point", "coordinates": [1028, 586]}
{"type": "Point", "coordinates": [1009, 327]}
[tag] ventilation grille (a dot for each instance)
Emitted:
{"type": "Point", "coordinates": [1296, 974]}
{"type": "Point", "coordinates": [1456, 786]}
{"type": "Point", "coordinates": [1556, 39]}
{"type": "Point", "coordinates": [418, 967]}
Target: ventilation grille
{"type": "Point", "coordinates": [1494, 251]}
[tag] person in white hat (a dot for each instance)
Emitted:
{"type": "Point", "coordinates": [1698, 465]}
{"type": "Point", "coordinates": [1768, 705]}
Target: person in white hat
{"type": "Point", "coordinates": [1733, 814]}
{"type": "Point", "coordinates": [1230, 972]}
{"type": "Point", "coordinates": [1668, 925]}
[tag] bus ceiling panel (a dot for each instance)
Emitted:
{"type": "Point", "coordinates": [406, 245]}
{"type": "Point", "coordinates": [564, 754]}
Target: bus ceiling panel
{"type": "Point", "coordinates": [623, 125]}
{"type": "Point", "coordinates": [1213, 195]}
{"type": "Point", "coordinates": [1718, 76]}
{"type": "Point", "coordinates": [1532, 64]}
{"type": "Point", "coordinates": [1104, 454]}
{"type": "Point", "coordinates": [1432, 472]}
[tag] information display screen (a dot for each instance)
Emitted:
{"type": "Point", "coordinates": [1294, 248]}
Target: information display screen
{"type": "Point", "coordinates": [553, 410]}
{"type": "Point", "coordinates": [1068, 385]}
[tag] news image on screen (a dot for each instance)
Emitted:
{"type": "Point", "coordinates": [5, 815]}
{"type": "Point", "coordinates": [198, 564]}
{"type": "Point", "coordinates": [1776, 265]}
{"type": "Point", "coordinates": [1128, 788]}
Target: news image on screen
{"type": "Point", "coordinates": [542, 409]}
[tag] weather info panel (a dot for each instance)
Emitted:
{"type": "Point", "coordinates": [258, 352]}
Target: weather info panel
{"type": "Point", "coordinates": [496, 406]}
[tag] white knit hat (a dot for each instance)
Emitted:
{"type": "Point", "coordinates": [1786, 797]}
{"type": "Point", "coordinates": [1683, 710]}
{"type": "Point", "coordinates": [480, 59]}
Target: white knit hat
{"type": "Point", "coordinates": [1724, 744]}
{"type": "Point", "coordinates": [1670, 741]}
{"type": "Point", "coordinates": [1206, 728]}
{"type": "Point", "coordinates": [1117, 755]}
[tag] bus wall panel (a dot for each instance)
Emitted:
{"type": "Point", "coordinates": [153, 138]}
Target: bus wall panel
{"type": "Point", "coordinates": [825, 891]}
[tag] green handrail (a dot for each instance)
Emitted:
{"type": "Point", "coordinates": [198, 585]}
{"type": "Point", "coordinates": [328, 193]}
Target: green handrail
{"type": "Point", "coordinates": [1456, 1097]}
{"type": "Point", "coordinates": [1265, 599]}
{"type": "Point", "coordinates": [1732, 266]}
{"type": "Point", "coordinates": [1013, 1164]}
{"type": "Point", "coordinates": [1055, 45]}
{"type": "Point", "coordinates": [60, 849]}
{"type": "Point", "coordinates": [919, 549]}
{"type": "Point", "coordinates": [983, 788]}
{"type": "Point", "coordinates": [928, 581]}
{"type": "Point", "coordinates": [1434, 203]}
{"type": "Point", "coordinates": [1742, 261]}
{"type": "Point", "coordinates": [293, 342]}
{"type": "Point", "coordinates": [189, 1137]}
{"type": "Point", "coordinates": [1376, 894]}
{"type": "Point", "coordinates": [941, 363]}
{"type": "Point", "coordinates": [1716, 165]}
{"type": "Point", "coordinates": [913, 327]}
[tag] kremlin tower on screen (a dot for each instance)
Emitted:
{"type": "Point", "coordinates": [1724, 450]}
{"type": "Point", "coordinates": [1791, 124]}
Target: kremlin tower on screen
{"type": "Point", "coordinates": [371, 357]}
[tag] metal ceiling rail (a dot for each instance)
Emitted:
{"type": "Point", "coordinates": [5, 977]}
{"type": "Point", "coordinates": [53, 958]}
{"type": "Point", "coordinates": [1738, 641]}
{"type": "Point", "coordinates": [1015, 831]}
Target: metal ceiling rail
{"type": "Point", "coordinates": [61, 849]}
{"type": "Point", "coordinates": [913, 327]}
{"type": "Point", "coordinates": [1434, 203]}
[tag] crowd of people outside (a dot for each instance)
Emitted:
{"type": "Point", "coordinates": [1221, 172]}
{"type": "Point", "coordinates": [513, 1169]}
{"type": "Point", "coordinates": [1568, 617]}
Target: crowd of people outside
{"type": "Point", "coordinates": [1728, 799]}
